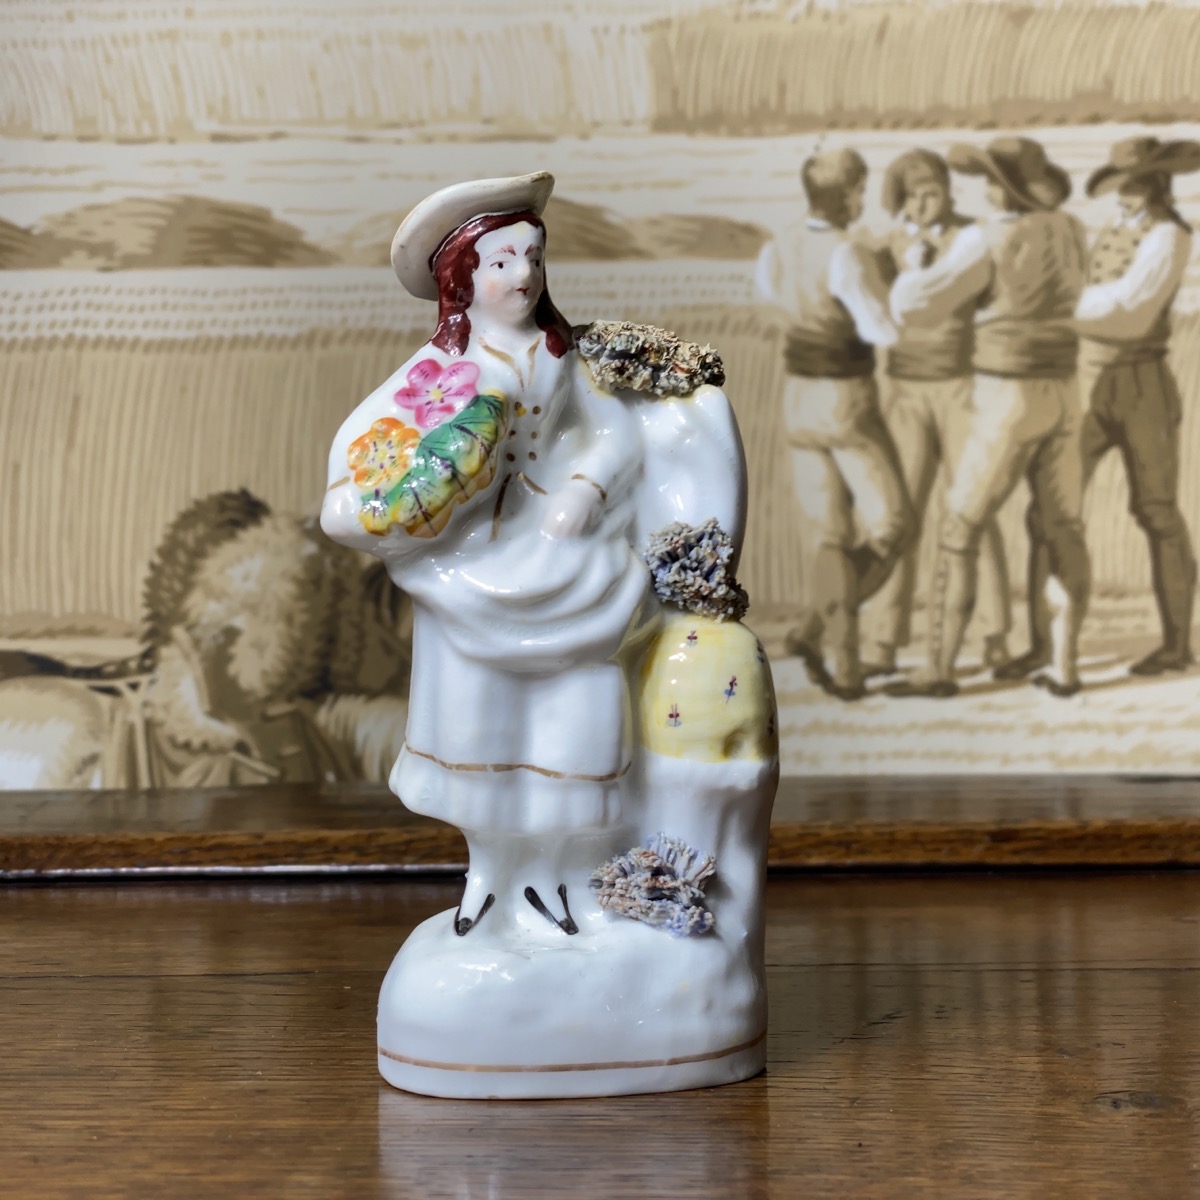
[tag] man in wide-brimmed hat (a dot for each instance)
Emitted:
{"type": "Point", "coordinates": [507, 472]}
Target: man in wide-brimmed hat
{"type": "Point", "coordinates": [928, 405]}
{"type": "Point", "coordinates": [1025, 268]}
{"type": "Point", "coordinates": [1130, 396]}
{"type": "Point", "coordinates": [853, 514]}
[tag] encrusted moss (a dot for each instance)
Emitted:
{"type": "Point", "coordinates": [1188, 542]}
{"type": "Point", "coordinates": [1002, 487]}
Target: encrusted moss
{"type": "Point", "coordinates": [661, 884]}
{"type": "Point", "coordinates": [622, 355]}
{"type": "Point", "coordinates": [689, 565]}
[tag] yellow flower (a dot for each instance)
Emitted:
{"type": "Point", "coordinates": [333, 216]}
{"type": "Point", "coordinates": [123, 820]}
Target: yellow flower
{"type": "Point", "coordinates": [383, 454]}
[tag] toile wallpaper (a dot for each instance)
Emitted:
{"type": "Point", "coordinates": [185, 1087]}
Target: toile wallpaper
{"type": "Point", "coordinates": [196, 205]}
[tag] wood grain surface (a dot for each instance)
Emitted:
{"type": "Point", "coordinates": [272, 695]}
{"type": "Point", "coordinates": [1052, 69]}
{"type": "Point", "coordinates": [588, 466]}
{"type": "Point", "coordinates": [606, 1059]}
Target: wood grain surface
{"type": "Point", "coordinates": [827, 822]}
{"type": "Point", "coordinates": [946, 1036]}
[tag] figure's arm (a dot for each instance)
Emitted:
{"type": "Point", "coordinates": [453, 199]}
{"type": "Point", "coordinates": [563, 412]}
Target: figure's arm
{"type": "Point", "coordinates": [695, 464]}
{"type": "Point", "coordinates": [342, 504]}
{"type": "Point", "coordinates": [928, 294]}
{"type": "Point", "coordinates": [771, 285]}
{"type": "Point", "coordinates": [856, 280]}
{"type": "Point", "coordinates": [370, 455]}
{"type": "Point", "coordinates": [606, 464]}
{"type": "Point", "coordinates": [768, 274]}
{"type": "Point", "coordinates": [1127, 307]}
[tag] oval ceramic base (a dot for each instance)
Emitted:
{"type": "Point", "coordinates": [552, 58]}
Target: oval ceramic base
{"type": "Point", "coordinates": [520, 1011]}
{"type": "Point", "coordinates": [463, 1082]}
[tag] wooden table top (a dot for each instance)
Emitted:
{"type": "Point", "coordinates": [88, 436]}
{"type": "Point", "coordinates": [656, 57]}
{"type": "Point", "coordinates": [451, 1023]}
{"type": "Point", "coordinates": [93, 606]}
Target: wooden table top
{"type": "Point", "coordinates": [953, 1036]}
{"type": "Point", "coordinates": [839, 822]}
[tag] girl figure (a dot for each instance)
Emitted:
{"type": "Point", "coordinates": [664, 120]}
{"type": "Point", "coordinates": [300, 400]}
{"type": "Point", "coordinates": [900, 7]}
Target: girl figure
{"type": "Point", "coordinates": [498, 487]}
{"type": "Point", "coordinates": [508, 476]}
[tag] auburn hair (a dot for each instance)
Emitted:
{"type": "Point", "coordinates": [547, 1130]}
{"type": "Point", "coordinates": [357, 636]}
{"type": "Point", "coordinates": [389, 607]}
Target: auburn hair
{"type": "Point", "coordinates": [456, 260]}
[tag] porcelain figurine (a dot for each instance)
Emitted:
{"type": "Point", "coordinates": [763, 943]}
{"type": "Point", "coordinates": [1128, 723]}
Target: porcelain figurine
{"type": "Point", "coordinates": [565, 509]}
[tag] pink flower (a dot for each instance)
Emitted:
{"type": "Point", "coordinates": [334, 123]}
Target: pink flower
{"type": "Point", "coordinates": [435, 393]}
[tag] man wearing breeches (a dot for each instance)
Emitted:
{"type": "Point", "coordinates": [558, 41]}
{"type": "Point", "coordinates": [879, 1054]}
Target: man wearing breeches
{"type": "Point", "coordinates": [928, 407]}
{"type": "Point", "coordinates": [854, 517]}
{"type": "Point", "coordinates": [1025, 270]}
{"type": "Point", "coordinates": [1130, 397]}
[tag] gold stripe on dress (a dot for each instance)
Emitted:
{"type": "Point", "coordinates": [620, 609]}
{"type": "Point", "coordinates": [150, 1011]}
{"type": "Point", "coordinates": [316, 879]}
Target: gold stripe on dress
{"type": "Point", "coordinates": [512, 362]}
{"type": "Point", "coordinates": [504, 358]}
{"type": "Point", "coordinates": [499, 505]}
{"type": "Point", "coordinates": [501, 767]}
{"type": "Point", "coordinates": [585, 479]}
{"type": "Point", "coordinates": [512, 1069]}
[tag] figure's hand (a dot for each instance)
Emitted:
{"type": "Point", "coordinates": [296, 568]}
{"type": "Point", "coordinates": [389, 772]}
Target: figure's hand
{"type": "Point", "coordinates": [920, 254]}
{"type": "Point", "coordinates": [572, 509]}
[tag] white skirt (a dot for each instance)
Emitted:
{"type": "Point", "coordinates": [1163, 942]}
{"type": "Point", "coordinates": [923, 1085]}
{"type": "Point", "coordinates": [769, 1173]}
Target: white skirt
{"type": "Point", "coordinates": [489, 748]}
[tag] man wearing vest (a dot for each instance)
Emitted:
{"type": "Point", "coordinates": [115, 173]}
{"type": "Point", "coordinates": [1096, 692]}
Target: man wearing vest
{"type": "Point", "coordinates": [928, 406]}
{"type": "Point", "coordinates": [854, 517]}
{"type": "Point", "coordinates": [1024, 268]}
{"type": "Point", "coordinates": [1130, 397]}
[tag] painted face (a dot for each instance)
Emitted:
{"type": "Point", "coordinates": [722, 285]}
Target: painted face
{"type": "Point", "coordinates": [509, 279]}
{"type": "Point", "coordinates": [926, 203]}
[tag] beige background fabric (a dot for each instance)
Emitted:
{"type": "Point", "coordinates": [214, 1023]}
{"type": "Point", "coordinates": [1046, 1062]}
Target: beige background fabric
{"type": "Point", "coordinates": [196, 203]}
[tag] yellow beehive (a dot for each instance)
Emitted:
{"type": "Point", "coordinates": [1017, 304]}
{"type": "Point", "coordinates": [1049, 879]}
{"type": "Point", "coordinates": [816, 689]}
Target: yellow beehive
{"type": "Point", "coordinates": [705, 692]}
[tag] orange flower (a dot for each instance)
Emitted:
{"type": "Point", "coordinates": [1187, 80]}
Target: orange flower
{"type": "Point", "coordinates": [383, 454]}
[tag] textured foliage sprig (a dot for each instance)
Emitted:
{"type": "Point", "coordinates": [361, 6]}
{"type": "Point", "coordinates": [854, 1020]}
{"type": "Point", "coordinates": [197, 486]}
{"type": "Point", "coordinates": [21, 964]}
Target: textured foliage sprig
{"type": "Point", "coordinates": [622, 355]}
{"type": "Point", "coordinates": [690, 568]}
{"type": "Point", "coordinates": [661, 884]}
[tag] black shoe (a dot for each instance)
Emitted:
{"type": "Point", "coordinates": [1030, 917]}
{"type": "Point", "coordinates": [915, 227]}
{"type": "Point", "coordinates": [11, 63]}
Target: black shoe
{"type": "Point", "coordinates": [872, 670]}
{"type": "Point", "coordinates": [1020, 667]}
{"type": "Point", "coordinates": [843, 691]}
{"type": "Point", "coordinates": [464, 925]}
{"type": "Point", "coordinates": [1161, 661]}
{"type": "Point", "coordinates": [1064, 691]}
{"type": "Point", "coordinates": [567, 923]}
{"type": "Point", "coordinates": [936, 689]}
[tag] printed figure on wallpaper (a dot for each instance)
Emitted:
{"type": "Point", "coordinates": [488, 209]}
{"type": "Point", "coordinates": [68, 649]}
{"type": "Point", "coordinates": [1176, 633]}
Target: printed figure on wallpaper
{"type": "Point", "coordinates": [853, 514]}
{"type": "Point", "coordinates": [1130, 396]}
{"type": "Point", "coordinates": [1022, 269]}
{"type": "Point", "coordinates": [985, 321]}
{"type": "Point", "coordinates": [268, 654]}
{"type": "Point", "coordinates": [928, 402]}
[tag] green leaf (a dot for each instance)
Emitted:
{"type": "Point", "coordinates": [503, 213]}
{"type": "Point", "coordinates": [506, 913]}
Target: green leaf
{"type": "Point", "coordinates": [449, 465]}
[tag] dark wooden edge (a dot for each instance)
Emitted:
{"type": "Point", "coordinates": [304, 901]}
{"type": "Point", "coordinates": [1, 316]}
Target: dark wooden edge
{"type": "Point", "coordinates": [819, 822]}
